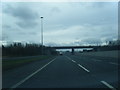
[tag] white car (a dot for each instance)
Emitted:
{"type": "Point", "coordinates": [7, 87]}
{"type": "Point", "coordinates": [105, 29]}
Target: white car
{"type": "Point", "coordinates": [61, 53]}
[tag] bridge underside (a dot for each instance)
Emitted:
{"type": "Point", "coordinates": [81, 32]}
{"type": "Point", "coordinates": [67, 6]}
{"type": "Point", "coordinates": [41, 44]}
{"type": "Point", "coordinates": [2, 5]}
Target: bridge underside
{"type": "Point", "coordinates": [74, 47]}
{"type": "Point", "coordinates": [96, 48]}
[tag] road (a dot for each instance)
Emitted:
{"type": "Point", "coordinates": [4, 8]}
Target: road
{"type": "Point", "coordinates": [65, 71]}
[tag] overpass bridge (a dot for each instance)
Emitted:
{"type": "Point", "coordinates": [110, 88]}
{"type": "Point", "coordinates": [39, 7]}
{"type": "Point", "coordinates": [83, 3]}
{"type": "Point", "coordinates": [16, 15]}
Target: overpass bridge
{"type": "Point", "coordinates": [96, 48]}
{"type": "Point", "coordinates": [74, 47]}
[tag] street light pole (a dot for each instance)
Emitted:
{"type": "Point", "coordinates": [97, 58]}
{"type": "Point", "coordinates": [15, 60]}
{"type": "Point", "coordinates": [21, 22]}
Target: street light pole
{"type": "Point", "coordinates": [42, 35]}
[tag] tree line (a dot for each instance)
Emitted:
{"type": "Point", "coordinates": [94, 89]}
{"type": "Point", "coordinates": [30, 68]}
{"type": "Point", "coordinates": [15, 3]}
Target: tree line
{"type": "Point", "coordinates": [19, 49]}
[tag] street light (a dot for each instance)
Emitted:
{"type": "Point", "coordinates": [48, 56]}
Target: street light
{"type": "Point", "coordinates": [41, 34]}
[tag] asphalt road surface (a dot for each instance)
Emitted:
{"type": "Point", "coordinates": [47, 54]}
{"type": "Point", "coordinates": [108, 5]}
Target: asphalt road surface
{"type": "Point", "coordinates": [64, 71]}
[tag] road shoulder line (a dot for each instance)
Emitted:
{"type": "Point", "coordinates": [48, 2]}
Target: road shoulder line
{"type": "Point", "coordinates": [113, 63]}
{"type": "Point", "coordinates": [28, 77]}
{"type": "Point", "coordinates": [108, 85]}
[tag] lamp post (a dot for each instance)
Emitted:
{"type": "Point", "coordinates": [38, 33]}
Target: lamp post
{"type": "Point", "coordinates": [41, 35]}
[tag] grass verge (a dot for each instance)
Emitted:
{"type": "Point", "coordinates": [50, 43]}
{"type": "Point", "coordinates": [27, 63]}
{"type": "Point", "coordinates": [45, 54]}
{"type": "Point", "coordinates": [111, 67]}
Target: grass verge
{"type": "Point", "coordinates": [10, 64]}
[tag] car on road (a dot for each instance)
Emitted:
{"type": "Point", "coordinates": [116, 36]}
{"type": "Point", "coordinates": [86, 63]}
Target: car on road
{"type": "Point", "coordinates": [61, 53]}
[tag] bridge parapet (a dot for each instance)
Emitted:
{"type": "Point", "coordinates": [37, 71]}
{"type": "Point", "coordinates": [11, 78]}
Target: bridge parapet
{"type": "Point", "coordinates": [96, 48]}
{"type": "Point", "coordinates": [70, 47]}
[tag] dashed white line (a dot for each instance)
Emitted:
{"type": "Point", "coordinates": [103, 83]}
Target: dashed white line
{"type": "Point", "coordinates": [83, 68]}
{"type": "Point", "coordinates": [108, 85]}
{"type": "Point", "coordinates": [73, 61]}
{"type": "Point", "coordinates": [68, 58]}
{"type": "Point", "coordinates": [103, 82]}
{"type": "Point", "coordinates": [28, 77]}
{"type": "Point", "coordinates": [97, 60]}
{"type": "Point", "coordinates": [113, 63]}
{"type": "Point", "coordinates": [79, 65]}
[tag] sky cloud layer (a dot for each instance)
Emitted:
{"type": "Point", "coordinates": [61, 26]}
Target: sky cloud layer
{"type": "Point", "coordinates": [26, 16]}
{"type": "Point", "coordinates": [67, 23]}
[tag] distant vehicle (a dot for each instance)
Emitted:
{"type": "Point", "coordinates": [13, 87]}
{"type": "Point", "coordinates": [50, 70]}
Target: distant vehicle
{"type": "Point", "coordinates": [61, 53]}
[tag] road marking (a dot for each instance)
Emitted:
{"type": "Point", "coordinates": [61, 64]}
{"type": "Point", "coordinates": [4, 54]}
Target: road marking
{"type": "Point", "coordinates": [73, 61]}
{"type": "Point", "coordinates": [97, 60]}
{"type": "Point", "coordinates": [83, 68]}
{"type": "Point", "coordinates": [113, 63]}
{"type": "Point", "coordinates": [28, 77]}
{"type": "Point", "coordinates": [79, 65]}
{"type": "Point", "coordinates": [68, 58]}
{"type": "Point", "coordinates": [108, 85]}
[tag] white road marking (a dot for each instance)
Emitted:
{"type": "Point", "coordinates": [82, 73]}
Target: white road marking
{"type": "Point", "coordinates": [97, 60]}
{"type": "Point", "coordinates": [68, 58]}
{"type": "Point", "coordinates": [79, 65]}
{"type": "Point", "coordinates": [83, 68]}
{"type": "Point", "coordinates": [108, 85]}
{"type": "Point", "coordinates": [113, 63]}
{"type": "Point", "coordinates": [28, 77]}
{"type": "Point", "coordinates": [73, 61]}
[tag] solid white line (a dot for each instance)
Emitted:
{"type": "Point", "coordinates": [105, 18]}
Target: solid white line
{"type": "Point", "coordinates": [83, 68]}
{"type": "Point", "coordinates": [108, 85]}
{"type": "Point", "coordinates": [28, 77]}
{"type": "Point", "coordinates": [113, 63]}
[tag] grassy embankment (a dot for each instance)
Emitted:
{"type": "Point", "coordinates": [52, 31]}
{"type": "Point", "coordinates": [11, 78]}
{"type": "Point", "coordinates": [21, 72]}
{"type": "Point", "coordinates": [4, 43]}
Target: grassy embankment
{"type": "Point", "coordinates": [109, 54]}
{"type": "Point", "coordinates": [10, 64]}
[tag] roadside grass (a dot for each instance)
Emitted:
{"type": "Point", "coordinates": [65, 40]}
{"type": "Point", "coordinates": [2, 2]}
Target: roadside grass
{"type": "Point", "coordinates": [10, 64]}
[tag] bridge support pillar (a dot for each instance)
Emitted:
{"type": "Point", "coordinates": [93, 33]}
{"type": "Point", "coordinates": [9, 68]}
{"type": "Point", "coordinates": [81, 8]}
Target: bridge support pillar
{"type": "Point", "coordinates": [72, 50]}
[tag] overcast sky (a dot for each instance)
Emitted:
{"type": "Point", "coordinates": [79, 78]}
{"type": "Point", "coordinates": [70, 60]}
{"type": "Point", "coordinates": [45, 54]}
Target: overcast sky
{"type": "Point", "coordinates": [67, 23]}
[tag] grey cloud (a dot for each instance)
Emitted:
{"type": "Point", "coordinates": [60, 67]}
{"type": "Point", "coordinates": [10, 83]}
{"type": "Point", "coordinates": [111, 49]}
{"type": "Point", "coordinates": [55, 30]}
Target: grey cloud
{"type": "Point", "coordinates": [99, 4]}
{"type": "Point", "coordinates": [32, 33]}
{"type": "Point", "coordinates": [6, 26]}
{"type": "Point", "coordinates": [90, 5]}
{"type": "Point", "coordinates": [91, 41]}
{"type": "Point", "coordinates": [110, 38]}
{"type": "Point", "coordinates": [52, 44]}
{"type": "Point", "coordinates": [97, 40]}
{"type": "Point", "coordinates": [112, 34]}
{"type": "Point", "coordinates": [22, 33]}
{"type": "Point", "coordinates": [21, 12]}
{"type": "Point", "coordinates": [89, 15]}
{"type": "Point", "coordinates": [59, 22]}
{"type": "Point", "coordinates": [55, 9]}
{"type": "Point", "coordinates": [4, 37]}
{"type": "Point", "coordinates": [27, 33]}
{"type": "Point", "coordinates": [27, 17]}
{"type": "Point", "coordinates": [26, 24]}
